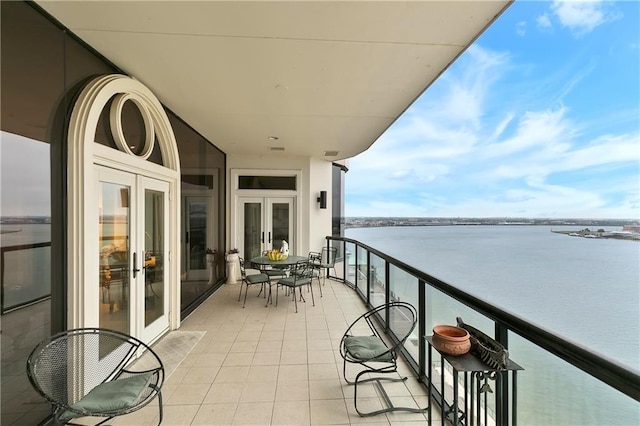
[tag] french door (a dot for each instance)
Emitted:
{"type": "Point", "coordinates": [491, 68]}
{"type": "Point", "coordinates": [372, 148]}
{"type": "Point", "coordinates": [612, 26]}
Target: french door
{"type": "Point", "coordinates": [133, 252]}
{"type": "Point", "coordinates": [264, 223]}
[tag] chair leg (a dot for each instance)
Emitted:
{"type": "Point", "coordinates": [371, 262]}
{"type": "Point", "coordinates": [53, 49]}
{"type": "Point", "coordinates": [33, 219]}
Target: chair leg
{"type": "Point", "coordinates": [246, 290]}
{"type": "Point", "coordinates": [268, 298]}
{"type": "Point", "coordinates": [385, 397]}
{"type": "Point", "coordinates": [240, 294]}
{"type": "Point", "coordinates": [319, 284]}
{"type": "Point", "coordinates": [344, 372]}
{"type": "Point", "coordinates": [160, 406]}
{"type": "Point", "coordinates": [295, 300]}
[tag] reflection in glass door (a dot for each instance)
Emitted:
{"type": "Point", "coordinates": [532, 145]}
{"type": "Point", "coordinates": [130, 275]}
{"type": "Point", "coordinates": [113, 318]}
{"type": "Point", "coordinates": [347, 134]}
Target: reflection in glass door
{"type": "Point", "coordinates": [281, 221]}
{"type": "Point", "coordinates": [152, 282]}
{"type": "Point", "coordinates": [196, 214]}
{"type": "Point", "coordinates": [154, 254]}
{"type": "Point", "coordinates": [253, 233]}
{"type": "Point", "coordinates": [114, 242]}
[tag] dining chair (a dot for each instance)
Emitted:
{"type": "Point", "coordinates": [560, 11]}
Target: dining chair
{"type": "Point", "coordinates": [299, 277]}
{"type": "Point", "coordinates": [324, 261]}
{"type": "Point", "coordinates": [252, 279]}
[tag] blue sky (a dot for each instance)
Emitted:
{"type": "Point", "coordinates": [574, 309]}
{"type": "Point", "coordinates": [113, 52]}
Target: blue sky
{"type": "Point", "coordinates": [539, 118]}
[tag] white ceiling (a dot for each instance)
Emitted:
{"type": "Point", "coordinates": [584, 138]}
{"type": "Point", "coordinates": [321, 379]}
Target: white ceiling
{"type": "Point", "coordinates": [321, 76]}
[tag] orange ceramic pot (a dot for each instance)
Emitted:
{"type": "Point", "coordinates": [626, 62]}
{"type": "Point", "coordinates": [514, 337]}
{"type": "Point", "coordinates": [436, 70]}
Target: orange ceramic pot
{"type": "Point", "coordinates": [451, 340]}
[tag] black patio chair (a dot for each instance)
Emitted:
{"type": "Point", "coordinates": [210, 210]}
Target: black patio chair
{"type": "Point", "coordinates": [249, 280]}
{"type": "Point", "coordinates": [94, 372]}
{"type": "Point", "coordinates": [301, 275]}
{"type": "Point", "coordinates": [374, 341]}
{"type": "Point", "coordinates": [324, 261]}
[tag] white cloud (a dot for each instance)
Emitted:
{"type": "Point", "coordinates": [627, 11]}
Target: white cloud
{"type": "Point", "coordinates": [521, 28]}
{"type": "Point", "coordinates": [582, 17]}
{"type": "Point", "coordinates": [543, 21]}
{"type": "Point", "coordinates": [508, 154]}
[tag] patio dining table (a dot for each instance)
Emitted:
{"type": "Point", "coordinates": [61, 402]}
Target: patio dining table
{"type": "Point", "coordinates": [265, 261]}
{"type": "Point", "coordinates": [282, 264]}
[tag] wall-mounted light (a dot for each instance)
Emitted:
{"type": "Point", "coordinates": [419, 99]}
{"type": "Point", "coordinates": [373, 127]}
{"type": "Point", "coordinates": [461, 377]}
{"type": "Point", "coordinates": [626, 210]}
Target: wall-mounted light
{"type": "Point", "coordinates": [322, 199]}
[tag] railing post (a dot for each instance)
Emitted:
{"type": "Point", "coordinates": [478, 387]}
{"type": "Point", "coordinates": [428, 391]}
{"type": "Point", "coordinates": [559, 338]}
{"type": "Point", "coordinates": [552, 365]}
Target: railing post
{"type": "Point", "coordinates": [387, 290]}
{"type": "Point", "coordinates": [422, 328]}
{"type": "Point", "coordinates": [368, 277]}
{"type": "Point", "coordinates": [2, 269]}
{"type": "Point", "coordinates": [345, 261]}
{"type": "Point", "coordinates": [502, 391]}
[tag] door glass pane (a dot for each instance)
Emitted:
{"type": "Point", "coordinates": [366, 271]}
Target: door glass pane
{"type": "Point", "coordinates": [252, 230]}
{"type": "Point", "coordinates": [153, 255]}
{"type": "Point", "coordinates": [114, 231]}
{"type": "Point", "coordinates": [280, 220]}
{"type": "Point", "coordinates": [197, 211]}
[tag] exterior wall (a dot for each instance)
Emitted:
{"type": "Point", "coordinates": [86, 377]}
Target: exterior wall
{"type": "Point", "coordinates": [43, 69]}
{"type": "Point", "coordinates": [319, 219]}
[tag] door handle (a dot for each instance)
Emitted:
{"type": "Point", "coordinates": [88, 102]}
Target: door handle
{"type": "Point", "coordinates": [135, 264]}
{"type": "Point", "coordinates": [269, 237]}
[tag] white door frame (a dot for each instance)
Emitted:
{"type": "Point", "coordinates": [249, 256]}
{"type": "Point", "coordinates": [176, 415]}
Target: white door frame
{"type": "Point", "coordinates": [83, 153]}
{"type": "Point", "coordinates": [235, 193]}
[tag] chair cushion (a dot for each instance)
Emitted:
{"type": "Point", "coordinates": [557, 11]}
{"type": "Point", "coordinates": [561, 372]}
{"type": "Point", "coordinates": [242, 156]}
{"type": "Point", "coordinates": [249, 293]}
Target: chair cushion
{"type": "Point", "coordinates": [257, 278]}
{"type": "Point", "coordinates": [111, 397]}
{"type": "Point", "coordinates": [367, 348]}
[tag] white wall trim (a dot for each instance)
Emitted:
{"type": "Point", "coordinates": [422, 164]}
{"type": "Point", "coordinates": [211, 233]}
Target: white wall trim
{"type": "Point", "coordinates": [83, 153]}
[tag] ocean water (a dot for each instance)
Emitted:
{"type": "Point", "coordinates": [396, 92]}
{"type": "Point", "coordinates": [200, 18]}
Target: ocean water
{"type": "Point", "coordinates": [587, 290]}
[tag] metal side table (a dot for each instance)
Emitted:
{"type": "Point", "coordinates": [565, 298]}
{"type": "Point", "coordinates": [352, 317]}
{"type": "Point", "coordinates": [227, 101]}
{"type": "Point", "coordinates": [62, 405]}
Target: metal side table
{"type": "Point", "coordinates": [471, 407]}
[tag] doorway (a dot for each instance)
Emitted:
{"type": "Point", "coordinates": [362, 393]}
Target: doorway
{"type": "Point", "coordinates": [133, 252]}
{"type": "Point", "coordinates": [264, 223]}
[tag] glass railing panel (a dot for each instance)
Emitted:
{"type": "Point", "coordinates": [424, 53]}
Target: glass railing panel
{"type": "Point", "coordinates": [361, 270]}
{"type": "Point", "coordinates": [403, 287]}
{"type": "Point", "coordinates": [350, 260]}
{"type": "Point", "coordinates": [378, 281]}
{"type": "Point", "coordinates": [442, 309]}
{"type": "Point", "coordinates": [340, 260]}
{"type": "Point", "coordinates": [554, 392]}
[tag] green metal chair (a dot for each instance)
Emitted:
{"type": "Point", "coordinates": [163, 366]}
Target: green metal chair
{"type": "Point", "coordinates": [374, 342]}
{"type": "Point", "coordinates": [91, 372]}
{"type": "Point", "coordinates": [300, 276]}
{"type": "Point", "coordinates": [249, 280]}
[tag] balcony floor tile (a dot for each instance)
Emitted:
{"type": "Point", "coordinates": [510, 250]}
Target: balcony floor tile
{"type": "Point", "coordinates": [271, 366]}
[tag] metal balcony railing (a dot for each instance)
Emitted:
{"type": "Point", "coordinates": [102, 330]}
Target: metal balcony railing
{"type": "Point", "coordinates": [607, 393]}
{"type": "Point", "coordinates": [25, 275]}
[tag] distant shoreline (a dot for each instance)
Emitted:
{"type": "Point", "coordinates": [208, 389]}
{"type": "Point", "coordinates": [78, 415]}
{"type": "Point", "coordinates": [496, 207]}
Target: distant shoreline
{"type": "Point", "coordinates": [586, 233]}
{"type": "Point", "coordinates": [364, 222]}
